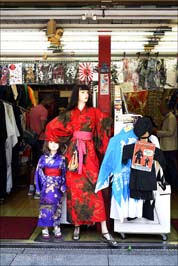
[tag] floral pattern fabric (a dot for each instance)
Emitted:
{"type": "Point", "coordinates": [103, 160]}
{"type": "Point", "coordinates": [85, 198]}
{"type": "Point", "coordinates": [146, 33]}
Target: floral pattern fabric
{"type": "Point", "coordinates": [84, 206]}
{"type": "Point", "coordinates": [51, 189]}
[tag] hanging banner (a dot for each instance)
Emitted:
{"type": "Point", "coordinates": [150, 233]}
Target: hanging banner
{"type": "Point", "coordinates": [15, 73]}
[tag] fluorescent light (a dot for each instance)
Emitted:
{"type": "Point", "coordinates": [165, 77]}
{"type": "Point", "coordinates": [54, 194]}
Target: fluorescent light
{"type": "Point", "coordinates": [84, 16]}
{"type": "Point", "coordinates": [23, 46]}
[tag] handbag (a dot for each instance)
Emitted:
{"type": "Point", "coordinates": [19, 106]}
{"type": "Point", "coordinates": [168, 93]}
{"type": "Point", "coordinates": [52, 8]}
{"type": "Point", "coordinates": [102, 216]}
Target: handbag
{"type": "Point", "coordinates": [148, 210]}
{"type": "Point", "coordinates": [30, 137]}
{"type": "Point", "coordinates": [73, 163]}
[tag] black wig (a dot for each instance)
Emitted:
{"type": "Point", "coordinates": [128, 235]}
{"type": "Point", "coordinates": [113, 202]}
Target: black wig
{"type": "Point", "coordinates": [75, 96]}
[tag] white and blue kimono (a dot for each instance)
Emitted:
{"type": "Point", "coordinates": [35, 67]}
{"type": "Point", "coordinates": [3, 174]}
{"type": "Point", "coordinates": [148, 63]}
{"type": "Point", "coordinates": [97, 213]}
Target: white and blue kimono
{"type": "Point", "coordinates": [112, 168]}
{"type": "Point", "coordinates": [122, 206]}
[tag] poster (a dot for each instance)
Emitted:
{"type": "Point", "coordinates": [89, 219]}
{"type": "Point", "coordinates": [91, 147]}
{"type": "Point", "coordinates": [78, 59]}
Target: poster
{"type": "Point", "coordinates": [143, 156]}
{"type": "Point", "coordinates": [104, 84]}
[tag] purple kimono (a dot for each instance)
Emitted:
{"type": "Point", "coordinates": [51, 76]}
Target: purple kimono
{"type": "Point", "coordinates": [50, 182]}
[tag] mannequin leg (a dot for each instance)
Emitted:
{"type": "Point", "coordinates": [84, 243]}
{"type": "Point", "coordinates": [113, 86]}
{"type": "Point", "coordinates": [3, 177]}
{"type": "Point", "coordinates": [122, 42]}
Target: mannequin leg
{"type": "Point", "coordinates": [76, 233]}
{"type": "Point", "coordinates": [106, 236]}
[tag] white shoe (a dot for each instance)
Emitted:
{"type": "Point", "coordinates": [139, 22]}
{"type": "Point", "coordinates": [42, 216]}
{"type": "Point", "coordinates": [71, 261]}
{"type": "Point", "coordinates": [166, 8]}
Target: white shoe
{"type": "Point", "coordinates": [37, 196]}
{"type": "Point", "coordinates": [57, 232]}
{"type": "Point", "coordinates": [31, 191]}
{"type": "Point", "coordinates": [45, 234]}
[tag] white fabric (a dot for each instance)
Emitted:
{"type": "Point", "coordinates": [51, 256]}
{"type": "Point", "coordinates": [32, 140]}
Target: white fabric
{"type": "Point", "coordinates": [11, 141]}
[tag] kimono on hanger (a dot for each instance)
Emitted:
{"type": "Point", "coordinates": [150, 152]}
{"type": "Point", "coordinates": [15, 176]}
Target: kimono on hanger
{"type": "Point", "coordinates": [11, 141]}
{"type": "Point", "coordinates": [112, 169]}
{"type": "Point", "coordinates": [3, 165]}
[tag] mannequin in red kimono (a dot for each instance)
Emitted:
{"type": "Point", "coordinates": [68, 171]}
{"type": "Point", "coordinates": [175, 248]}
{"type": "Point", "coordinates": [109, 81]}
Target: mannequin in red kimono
{"type": "Point", "coordinates": [85, 130]}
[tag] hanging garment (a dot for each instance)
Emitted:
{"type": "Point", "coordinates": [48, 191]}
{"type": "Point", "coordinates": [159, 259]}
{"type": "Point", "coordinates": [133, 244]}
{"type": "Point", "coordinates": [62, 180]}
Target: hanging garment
{"type": "Point", "coordinates": [3, 165]}
{"type": "Point", "coordinates": [11, 141]}
{"type": "Point", "coordinates": [15, 73]}
{"type": "Point", "coordinates": [4, 75]}
{"type": "Point", "coordinates": [142, 183]}
{"type": "Point", "coordinates": [122, 205]}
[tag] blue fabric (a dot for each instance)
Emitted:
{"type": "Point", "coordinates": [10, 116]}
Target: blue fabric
{"type": "Point", "coordinates": [112, 166]}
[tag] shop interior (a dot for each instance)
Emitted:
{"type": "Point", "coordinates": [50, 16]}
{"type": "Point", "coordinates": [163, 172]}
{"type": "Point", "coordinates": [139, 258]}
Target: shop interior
{"type": "Point", "coordinates": [47, 48]}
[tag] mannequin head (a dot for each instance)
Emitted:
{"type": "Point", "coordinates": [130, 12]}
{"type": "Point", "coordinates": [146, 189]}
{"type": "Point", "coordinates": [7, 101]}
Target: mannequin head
{"type": "Point", "coordinates": [74, 100]}
{"type": "Point", "coordinates": [143, 127]}
{"type": "Point", "coordinates": [51, 147]}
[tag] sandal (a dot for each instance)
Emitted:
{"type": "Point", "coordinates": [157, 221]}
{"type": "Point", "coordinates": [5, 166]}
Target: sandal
{"type": "Point", "coordinates": [111, 242]}
{"type": "Point", "coordinates": [45, 234]}
{"type": "Point", "coordinates": [76, 234]}
{"type": "Point", "coordinates": [57, 232]}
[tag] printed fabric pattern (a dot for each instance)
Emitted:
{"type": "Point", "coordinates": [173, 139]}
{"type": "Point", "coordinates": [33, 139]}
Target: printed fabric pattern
{"type": "Point", "coordinates": [51, 189]}
{"type": "Point", "coordinates": [83, 205]}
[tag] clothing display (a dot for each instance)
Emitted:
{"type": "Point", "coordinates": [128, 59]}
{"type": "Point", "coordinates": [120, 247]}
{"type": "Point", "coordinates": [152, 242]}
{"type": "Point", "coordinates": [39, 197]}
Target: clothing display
{"type": "Point", "coordinates": [11, 141]}
{"type": "Point", "coordinates": [146, 72]}
{"type": "Point", "coordinates": [85, 129]}
{"type": "Point", "coordinates": [122, 205]}
{"type": "Point", "coordinates": [142, 183]}
{"type": "Point", "coordinates": [12, 122]}
{"type": "Point", "coordinates": [50, 183]}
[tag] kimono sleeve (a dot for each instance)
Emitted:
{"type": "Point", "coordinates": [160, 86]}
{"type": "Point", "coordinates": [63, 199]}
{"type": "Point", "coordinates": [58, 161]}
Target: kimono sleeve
{"type": "Point", "coordinates": [159, 156]}
{"type": "Point", "coordinates": [103, 130]}
{"type": "Point", "coordinates": [63, 174]}
{"type": "Point", "coordinates": [127, 153]}
{"type": "Point", "coordinates": [59, 128]}
{"type": "Point", "coordinates": [39, 175]}
{"type": "Point", "coordinates": [106, 169]}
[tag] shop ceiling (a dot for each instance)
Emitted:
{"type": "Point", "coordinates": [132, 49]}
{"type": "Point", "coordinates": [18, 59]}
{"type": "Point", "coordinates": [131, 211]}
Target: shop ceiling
{"type": "Point", "coordinates": [135, 27]}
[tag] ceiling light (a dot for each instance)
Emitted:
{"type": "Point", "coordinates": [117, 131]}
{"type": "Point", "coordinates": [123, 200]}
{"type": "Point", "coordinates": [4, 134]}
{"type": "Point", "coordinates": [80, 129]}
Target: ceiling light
{"type": "Point", "coordinates": [93, 16]}
{"type": "Point", "coordinates": [84, 16]}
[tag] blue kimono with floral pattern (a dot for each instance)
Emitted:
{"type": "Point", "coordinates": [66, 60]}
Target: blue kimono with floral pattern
{"type": "Point", "coordinates": [51, 189]}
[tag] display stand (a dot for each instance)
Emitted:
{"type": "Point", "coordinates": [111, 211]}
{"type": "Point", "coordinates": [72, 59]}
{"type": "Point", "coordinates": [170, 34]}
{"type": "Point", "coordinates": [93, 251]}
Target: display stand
{"type": "Point", "coordinates": [161, 223]}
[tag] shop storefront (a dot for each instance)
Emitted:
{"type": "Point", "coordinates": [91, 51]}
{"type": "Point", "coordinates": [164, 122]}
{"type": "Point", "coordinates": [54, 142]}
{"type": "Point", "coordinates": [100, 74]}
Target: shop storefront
{"type": "Point", "coordinates": [128, 57]}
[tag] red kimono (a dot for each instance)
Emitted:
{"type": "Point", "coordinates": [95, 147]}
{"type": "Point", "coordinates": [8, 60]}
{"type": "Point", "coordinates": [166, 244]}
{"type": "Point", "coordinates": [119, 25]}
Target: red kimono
{"type": "Point", "coordinates": [85, 130]}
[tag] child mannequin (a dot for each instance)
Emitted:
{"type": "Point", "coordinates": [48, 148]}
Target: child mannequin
{"type": "Point", "coordinates": [51, 184]}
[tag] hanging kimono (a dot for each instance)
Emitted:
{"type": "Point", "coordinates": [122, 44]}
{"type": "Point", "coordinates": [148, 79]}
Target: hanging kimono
{"type": "Point", "coordinates": [51, 184]}
{"type": "Point", "coordinates": [122, 205]}
{"type": "Point", "coordinates": [142, 183]}
{"type": "Point", "coordinates": [112, 168]}
{"type": "Point", "coordinates": [3, 164]}
{"type": "Point", "coordinates": [11, 141]}
{"type": "Point", "coordinates": [86, 131]}
{"type": "Point", "coordinates": [15, 73]}
{"type": "Point", "coordinates": [4, 75]}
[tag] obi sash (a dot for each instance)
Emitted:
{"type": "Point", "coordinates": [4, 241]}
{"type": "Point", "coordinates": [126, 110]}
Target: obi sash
{"type": "Point", "coordinates": [81, 136]}
{"type": "Point", "coordinates": [52, 171]}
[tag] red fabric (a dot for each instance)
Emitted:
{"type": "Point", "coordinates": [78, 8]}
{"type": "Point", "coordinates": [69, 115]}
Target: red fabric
{"type": "Point", "coordinates": [84, 206]}
{"type": "Point", "coordinates": [52, 171]}
{"type": "Point", "coordinates": [17, 227]}
{"type": "Point", "coordinates": [104, 101]}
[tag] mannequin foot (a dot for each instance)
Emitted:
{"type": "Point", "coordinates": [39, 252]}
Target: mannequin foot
{"type": "Point", "coordinates": [107, 238]}
{"type": "Point", "coordinates": [45, 234]}
{"type": "Point", "coordinates": [76, 233]}
{"type": "Point", "coordinates": [57, 232]}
